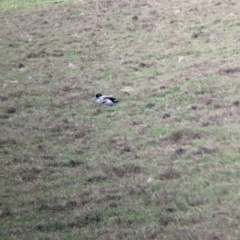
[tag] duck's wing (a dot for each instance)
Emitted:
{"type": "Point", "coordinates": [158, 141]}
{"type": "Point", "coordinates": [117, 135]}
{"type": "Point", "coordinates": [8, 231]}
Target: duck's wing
{"type": "Point", "coordinates": [114, 100]}
{"type": "Point", "coordinates": [111, 98]}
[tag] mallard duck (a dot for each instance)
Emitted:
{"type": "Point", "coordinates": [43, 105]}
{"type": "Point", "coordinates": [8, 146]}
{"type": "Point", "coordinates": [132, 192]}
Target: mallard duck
{"type": "Point", "coordinates": [107, 100]}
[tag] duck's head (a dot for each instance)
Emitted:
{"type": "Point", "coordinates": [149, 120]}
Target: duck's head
{"type": "Point", "coordinates": [98, 95]}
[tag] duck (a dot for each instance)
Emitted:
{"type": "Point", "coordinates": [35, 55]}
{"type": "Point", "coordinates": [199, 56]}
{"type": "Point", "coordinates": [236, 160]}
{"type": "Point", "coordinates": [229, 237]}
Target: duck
{"type": "Point", "coordinates": [106, 100]}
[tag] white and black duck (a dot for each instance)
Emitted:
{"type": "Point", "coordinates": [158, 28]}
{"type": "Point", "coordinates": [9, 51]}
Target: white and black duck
{"type": "Point", "coordinates": [104, 99]}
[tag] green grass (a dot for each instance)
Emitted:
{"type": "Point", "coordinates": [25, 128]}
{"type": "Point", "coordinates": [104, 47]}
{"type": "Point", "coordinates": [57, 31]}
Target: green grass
{"type": "Point", "coordinates": [25, 4]}
{"type": "Point", "coordinates": [73, 169]}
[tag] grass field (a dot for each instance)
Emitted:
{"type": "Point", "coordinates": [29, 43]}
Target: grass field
{"type": "Point", "coordinates": [163, 163]}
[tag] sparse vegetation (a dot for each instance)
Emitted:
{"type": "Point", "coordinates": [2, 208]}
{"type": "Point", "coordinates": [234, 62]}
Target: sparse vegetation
{"type": "Point", "coordinates": [161, 164]}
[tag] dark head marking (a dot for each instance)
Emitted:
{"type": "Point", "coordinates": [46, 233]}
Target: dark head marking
{"type": "Point", "coordinates": [98, 95]}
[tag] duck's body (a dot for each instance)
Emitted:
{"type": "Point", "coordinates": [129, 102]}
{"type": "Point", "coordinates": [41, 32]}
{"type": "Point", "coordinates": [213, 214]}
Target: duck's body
{"type": "Point", "coordinates": [107, 100]}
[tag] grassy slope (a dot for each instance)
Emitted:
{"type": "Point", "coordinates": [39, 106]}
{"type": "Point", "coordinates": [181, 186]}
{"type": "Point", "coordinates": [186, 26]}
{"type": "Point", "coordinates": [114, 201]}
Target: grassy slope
{"type": "Point", "coordinates": [6, 5]}
{"type": "Point", "coordinates": [71, 169]}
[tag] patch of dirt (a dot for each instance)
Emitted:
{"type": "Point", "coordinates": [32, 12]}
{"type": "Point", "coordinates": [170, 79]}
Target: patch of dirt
{"type": "Point", "coordinates": [230, 71]}
{"type": "Point", "coordinates": [7, 142]}
{"type": "Point", "coordinates": [51, 226]}
{"type": "Point", "coordinates": [96, 178]}
{"type": "Point", "coordinates": [166, 115]}
{"type": "Point", "coordinates": [136, 122]}
{"type": "Point", "coordinates": [30, 174]}
{"type": "Point", "coordinates": [150, 105]}
{"type": "Point", "coordinates": [205, 150]}
{"type": "Point", "coordinates": [180, 151]}
{"type": "Point", "coordinates": [4, 211]}
{"type": "Point", "coordinates": [21, 159]}
{"type": "Point", "coordinates": [205, 100]}
{"type": "Point", "coordinates": [170, 173]}
{"type": "Point", "coordinates": [4, 116]}
{"type": "Point", "coordinates": [54, 208]}
{"type": "Point", "coordinates": [61, 124]}
{"type": "Point", "coordinates": [124, 171]}
{"type": "Point", "coordinates": [72, 163]}
{"type": "Point", "coordinates": [81, 131]}
{"type": "Point", "coordinates": [91, 217]}
{"type": "Point", "coordinates": [182, 136]}
{"type": "Point", "coordinates": [236, 103]}
{"type": "Point", "coordinates": [109, 190]}
{"type": "Point", "coordinates": [10, 109]}
{"type": "Point", "coordinates": [120, 145]}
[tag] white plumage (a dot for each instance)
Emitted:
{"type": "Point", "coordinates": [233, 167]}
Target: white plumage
{"type": "Point", "coordinates": [107, 100]}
